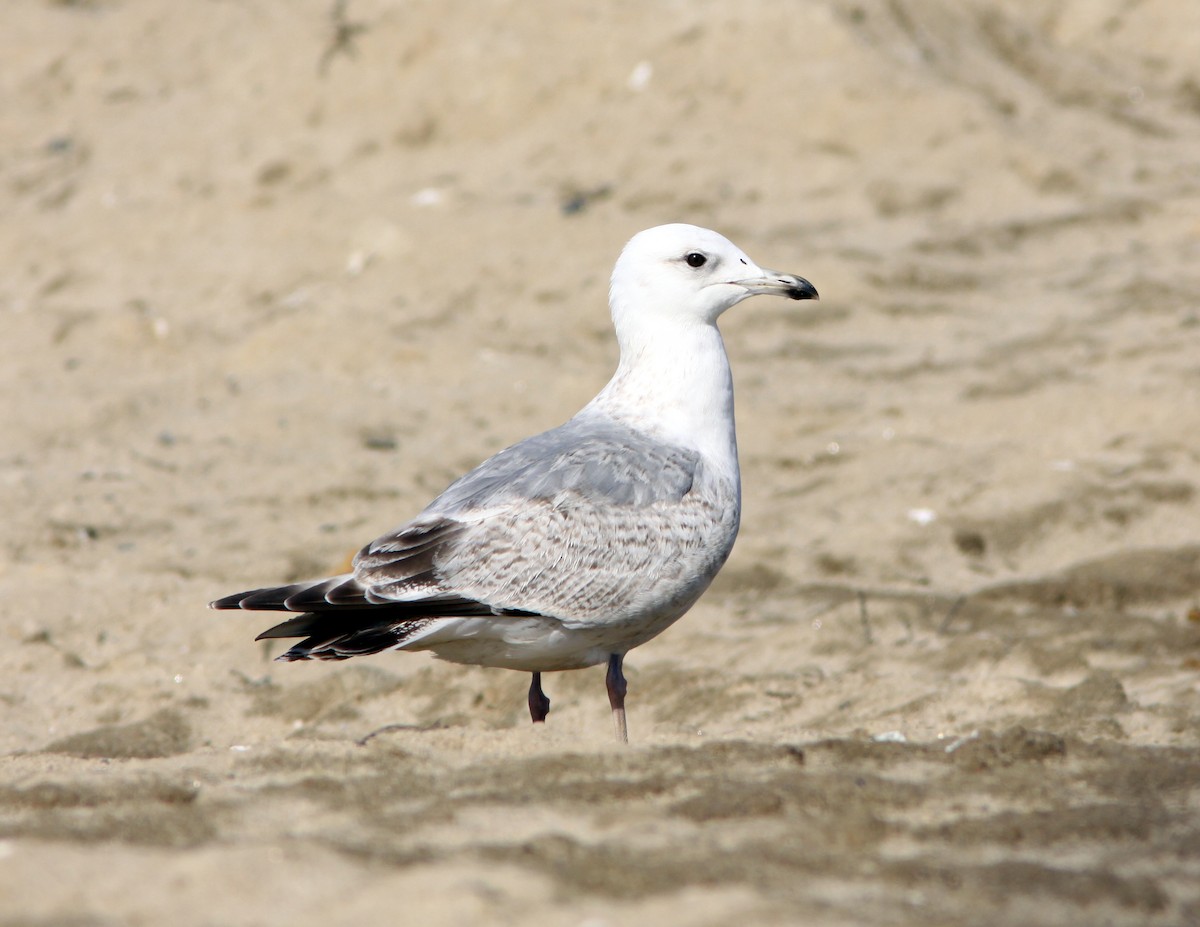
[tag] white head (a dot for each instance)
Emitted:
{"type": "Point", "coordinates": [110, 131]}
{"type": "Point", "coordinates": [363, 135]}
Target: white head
{"type": "Point", "coordinates": [682, 273]}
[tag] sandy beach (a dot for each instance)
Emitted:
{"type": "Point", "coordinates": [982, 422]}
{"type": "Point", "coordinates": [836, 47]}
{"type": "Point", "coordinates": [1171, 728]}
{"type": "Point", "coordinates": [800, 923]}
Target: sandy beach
{"type": "Point", "coordinates": [275, 274]}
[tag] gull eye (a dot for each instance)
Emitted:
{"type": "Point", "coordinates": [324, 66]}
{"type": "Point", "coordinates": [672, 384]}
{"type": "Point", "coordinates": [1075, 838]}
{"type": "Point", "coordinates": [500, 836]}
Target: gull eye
{"type": "Point", "coordinates": [695, 259]}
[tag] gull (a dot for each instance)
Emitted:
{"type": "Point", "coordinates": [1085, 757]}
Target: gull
{"type": "Point", "coordinates": [574, 546]}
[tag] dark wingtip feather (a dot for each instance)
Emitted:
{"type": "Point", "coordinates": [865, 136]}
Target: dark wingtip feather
{"type": "Point", "coordinates": [270, 598]}
{"type": "Point", "coordinates": [233, 601]}
{"type": "Point", "coordinates": [300, 626]}
{"type": "Point", "coordinates": [326, 595]}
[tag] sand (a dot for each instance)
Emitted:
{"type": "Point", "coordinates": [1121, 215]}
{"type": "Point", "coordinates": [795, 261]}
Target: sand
{"type": "Point", "coordinates": [274, 274]}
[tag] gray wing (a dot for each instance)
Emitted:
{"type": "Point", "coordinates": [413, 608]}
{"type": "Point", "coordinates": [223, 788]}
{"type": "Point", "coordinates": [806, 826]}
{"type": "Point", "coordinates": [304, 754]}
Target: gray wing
{"type": "Point", "coordinates": [607, 463]}
{"type": "Point", "coordinates": [585, 521]}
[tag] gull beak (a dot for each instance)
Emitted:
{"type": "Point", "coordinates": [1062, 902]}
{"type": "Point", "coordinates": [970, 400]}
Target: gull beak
{"type": "Point", "coordinates": [773, 283]}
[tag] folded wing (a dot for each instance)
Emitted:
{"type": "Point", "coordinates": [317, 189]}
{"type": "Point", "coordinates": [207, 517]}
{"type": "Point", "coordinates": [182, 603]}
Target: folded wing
{"type": "Point", "coordinates": [567, 524]}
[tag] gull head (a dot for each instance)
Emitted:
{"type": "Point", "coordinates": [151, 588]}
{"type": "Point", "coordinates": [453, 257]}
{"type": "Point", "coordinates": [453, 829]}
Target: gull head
{"type": "Point", "coordinates": [682, 273]}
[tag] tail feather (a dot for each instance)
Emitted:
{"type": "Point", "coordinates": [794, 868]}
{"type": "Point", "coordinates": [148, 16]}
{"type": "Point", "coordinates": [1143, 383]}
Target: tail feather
{"type": "Point", "coordinates": [340, 619]}
{"type": "Point", "coordinates": [330, 638]}
{"type": "Point", "coordinates": [300, 626]}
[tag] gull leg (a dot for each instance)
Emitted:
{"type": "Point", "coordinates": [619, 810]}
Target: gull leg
{"type": "Point", "coordinates": [539, 705]}
{"type": "Point", "coordinates": [616, 695]}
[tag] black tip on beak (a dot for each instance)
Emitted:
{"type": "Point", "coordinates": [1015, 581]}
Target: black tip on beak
{"type": "Point", "coordinates": [802, 289]}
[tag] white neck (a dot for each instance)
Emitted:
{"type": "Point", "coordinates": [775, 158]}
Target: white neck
{"type": "Point", "coordinates": [674, 382]}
